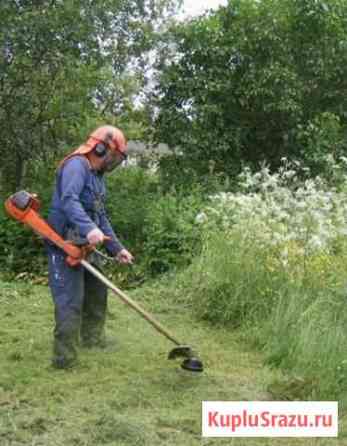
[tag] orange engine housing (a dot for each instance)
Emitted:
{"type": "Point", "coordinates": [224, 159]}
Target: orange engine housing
{"type": "Point", "coordinates": [30, 217]}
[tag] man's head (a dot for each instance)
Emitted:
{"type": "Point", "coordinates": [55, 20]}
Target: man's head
{"type": "Point", "coordinates": [105, 148]}
{"type": "Point", "coordinates": [109, 148]}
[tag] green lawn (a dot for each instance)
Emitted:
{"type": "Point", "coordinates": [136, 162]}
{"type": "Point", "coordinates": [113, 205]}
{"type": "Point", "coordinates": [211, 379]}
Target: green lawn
{"type": "Point", "coordinates": [127, 395]}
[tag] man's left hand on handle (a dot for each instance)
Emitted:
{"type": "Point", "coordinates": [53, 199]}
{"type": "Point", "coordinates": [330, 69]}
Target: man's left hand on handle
{"type": "Point", "coordinates": [125, 257]}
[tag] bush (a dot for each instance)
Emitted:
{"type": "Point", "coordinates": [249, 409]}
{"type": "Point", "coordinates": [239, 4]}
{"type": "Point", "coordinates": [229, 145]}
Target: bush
{"type": "Point", "coordinates": [20, 250]}
{"type": "Point", "coordinates": [158, 228]}
{"type": "Point", "coordinates": [131, 192]}
{"type": "Point", "coordinates": [172, 237]}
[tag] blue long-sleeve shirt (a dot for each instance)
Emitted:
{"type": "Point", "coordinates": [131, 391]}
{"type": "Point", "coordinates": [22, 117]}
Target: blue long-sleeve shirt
{"type": "Point", "coordinates": [78, 203]}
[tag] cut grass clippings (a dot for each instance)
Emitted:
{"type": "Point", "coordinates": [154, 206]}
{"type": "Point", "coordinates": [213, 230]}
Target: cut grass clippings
{"type": "Point", "coordinates": [129, 394]}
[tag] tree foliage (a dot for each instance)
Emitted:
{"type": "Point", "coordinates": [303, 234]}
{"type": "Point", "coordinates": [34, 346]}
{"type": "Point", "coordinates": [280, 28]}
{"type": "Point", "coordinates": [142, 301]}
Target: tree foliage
{"type": "Point", "coordinates": [253, 82]}
{"type": "Point", "coordinates": [64, 67]}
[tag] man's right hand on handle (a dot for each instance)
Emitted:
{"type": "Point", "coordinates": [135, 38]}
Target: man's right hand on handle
{"type": "Point", "coordinates": [95, 236]}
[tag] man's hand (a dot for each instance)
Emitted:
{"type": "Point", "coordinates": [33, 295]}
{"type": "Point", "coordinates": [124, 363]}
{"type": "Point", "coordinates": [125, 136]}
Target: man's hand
{"type": "Point", "coordinates": [125, 257]}
{"type": "Point", "coordinates": [95, 236]}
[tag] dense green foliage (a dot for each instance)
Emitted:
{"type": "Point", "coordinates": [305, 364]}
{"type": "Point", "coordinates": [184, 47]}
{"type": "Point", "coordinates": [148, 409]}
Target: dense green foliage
{"type": "Point", "coordinates": [172, 237]}
{"type": "Point", "coordinates": [159, 229]}
{"type": "Point", "coordinates": [64, 68]}
{"type": "Point", "coordinates": [254, 82]}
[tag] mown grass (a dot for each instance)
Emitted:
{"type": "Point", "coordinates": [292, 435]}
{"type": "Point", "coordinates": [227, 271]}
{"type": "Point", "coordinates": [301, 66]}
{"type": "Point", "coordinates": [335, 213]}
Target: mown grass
{"type": "Point", "coordinates": [126, 395]}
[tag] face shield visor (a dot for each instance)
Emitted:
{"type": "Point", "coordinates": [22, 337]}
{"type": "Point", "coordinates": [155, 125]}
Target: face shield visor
{"type": "Point", "coordinates": [113, 159]}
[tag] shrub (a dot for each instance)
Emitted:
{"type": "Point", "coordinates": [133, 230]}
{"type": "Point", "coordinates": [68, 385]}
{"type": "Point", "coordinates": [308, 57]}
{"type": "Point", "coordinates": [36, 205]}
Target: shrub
{"type": "Point", "coordinates": [130, 194]}
{"type": "Point", "coordinates": [20, 249]}
{"type": "Point", "coordinates": [172, 237]}
{"type": "Point", "coordinates": [158, 228]}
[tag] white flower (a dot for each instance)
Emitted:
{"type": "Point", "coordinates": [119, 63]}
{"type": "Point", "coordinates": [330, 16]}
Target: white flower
{"type": "Point", "coordinates": [201, 218]}
{"type": "Point", "coordinates": [315, 243]}
{"type": "Point", "coordinates": [277, 208]}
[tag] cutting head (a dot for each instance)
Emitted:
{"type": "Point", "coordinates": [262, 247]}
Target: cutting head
{"type": "Point", "coordinates": [192, 365]}
{"type": "Point", "coordinates": [182, 351]}
{"type": "Point", "coordinates": [191, 361]}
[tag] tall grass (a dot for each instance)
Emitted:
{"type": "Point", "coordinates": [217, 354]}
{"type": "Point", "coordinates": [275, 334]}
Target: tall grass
{"type": "Point", "coordinates": [274, 262]}
{"type": "Point", "coordinates": [232, 281]}
{"type": "Point", "coordinates": [297, 316]}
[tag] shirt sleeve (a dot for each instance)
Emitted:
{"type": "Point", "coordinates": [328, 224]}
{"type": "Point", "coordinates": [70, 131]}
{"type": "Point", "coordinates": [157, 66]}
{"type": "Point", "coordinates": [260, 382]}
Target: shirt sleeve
{"type": "Point", "coordinates": [113, 246]}
{"type": "Point", "coordinates": [72, 181]}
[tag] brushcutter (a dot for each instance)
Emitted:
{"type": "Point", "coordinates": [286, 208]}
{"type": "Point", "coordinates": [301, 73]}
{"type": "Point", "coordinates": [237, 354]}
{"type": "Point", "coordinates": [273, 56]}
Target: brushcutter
{"type": "Point", "coordinates": [24, 207]}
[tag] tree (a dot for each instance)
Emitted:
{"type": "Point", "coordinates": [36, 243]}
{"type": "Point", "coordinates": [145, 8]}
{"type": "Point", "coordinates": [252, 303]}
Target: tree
{"type": "Point", "coordinates": [248, 84]}
{"type": "Point", "coordinates": [58, 60]}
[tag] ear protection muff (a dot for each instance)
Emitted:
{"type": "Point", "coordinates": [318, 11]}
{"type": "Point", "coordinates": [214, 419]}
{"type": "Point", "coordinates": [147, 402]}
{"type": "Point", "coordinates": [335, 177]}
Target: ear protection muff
{"type": "Point", "coordinates": [100, 149]}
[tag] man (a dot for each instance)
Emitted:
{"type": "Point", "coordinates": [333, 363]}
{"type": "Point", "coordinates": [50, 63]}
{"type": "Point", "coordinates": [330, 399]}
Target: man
{"type": "Point", "coordinates": [78, 214]}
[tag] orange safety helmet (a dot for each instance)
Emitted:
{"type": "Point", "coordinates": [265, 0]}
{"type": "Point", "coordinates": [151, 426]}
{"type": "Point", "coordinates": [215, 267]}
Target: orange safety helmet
{"type": "Point", "coordinates": [111, 136]}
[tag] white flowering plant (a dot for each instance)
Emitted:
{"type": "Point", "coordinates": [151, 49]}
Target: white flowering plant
{"type": "Point", "coordinates": [279, 208]}
{"type": "Point", "coordinates": [274, 260]}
